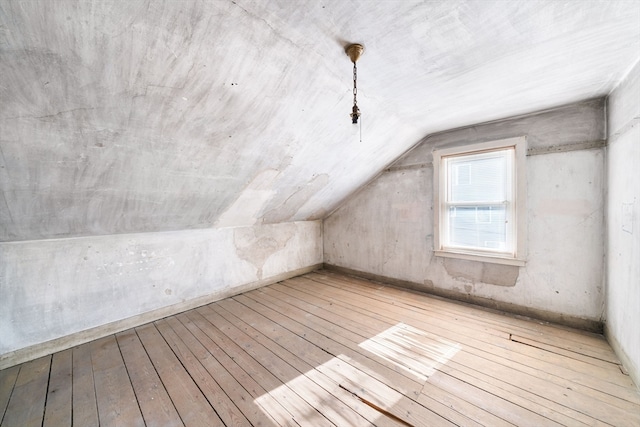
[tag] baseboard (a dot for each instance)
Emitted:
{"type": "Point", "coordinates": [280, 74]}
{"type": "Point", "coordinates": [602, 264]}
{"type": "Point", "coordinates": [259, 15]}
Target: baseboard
{"type": "Point", "coordinates": [503, 307]}
{"type": "Point", "coordinates": [626, 361]}
{"type": "Point", "coordinates": [42, 349]}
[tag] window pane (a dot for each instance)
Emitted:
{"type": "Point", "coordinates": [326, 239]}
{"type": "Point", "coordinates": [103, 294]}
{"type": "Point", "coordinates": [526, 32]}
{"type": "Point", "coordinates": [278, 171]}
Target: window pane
{"type": "Point", "coordinates": [478, 178]}
{"type": "Point", "coordinates": [478, 227]}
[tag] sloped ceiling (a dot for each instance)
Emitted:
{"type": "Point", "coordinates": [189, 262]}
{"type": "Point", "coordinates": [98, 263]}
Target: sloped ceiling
{"type": "Point", "coordinates": [136, 116]}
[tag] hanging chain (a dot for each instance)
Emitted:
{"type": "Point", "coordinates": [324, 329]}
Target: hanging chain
{"type": "Point", "coordinates": [355, 86]}
{"type": "Point", "coordinates": [355, 111]}
{"type": "Point", "coordinates": [354, 51]}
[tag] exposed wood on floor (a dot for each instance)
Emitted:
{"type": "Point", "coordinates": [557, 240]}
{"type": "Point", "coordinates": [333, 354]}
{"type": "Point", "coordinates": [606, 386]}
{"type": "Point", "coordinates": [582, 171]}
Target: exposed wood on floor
{"type": "Point", "coordinates": [328, 349]}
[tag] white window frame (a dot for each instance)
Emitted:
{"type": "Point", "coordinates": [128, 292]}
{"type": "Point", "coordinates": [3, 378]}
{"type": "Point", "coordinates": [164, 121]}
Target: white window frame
{"type": "Point", "coordinates": [518, 203]}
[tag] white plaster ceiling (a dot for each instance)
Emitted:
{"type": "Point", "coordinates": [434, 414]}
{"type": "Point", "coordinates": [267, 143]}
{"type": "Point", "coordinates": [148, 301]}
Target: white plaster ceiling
{"type": "Point", "coordinates": [137, 116]}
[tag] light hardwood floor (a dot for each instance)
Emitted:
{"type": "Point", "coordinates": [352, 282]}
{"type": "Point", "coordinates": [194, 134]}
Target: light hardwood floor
{"type": "Point", "coordinates": [328, 349]}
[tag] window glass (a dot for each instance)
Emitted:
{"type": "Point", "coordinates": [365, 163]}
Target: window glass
{"type": "Point", "coordinates": [478, 196]}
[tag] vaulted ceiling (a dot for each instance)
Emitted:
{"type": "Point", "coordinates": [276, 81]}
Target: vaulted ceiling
{"type": "Point", "coordinates": [136, 116]}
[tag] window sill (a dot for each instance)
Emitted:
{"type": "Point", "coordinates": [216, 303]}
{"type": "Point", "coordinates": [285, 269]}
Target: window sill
{"type": "Point", "coordinates": [494, 259]}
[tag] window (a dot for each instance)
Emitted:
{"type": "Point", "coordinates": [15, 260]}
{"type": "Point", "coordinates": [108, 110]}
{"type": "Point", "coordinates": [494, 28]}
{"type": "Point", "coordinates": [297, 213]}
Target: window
{"type": "Point", "coordinates": [480, 201]}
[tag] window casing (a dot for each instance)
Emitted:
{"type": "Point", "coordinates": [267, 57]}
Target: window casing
{"type": "Point", "coordinates": [479, 209]}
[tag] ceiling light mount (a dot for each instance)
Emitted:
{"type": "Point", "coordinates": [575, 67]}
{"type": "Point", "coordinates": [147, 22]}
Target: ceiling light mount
{"type": "Point", "coordinates": [354, 51]}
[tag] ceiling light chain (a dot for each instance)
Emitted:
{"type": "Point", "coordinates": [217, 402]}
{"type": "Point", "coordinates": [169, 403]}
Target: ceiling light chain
{"type": "Point", "coordinates": [355, 112]}
{"type": "Point", "coordinates": [354, 51]}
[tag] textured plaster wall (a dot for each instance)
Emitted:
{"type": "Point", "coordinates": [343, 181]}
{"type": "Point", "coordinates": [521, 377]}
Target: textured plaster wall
{"type": "Point", "coordinates": [53, 288]}
{"type": "Point", "coordinates": [623, 231]}
{"type": "Point", "coordinates": [563, 276]}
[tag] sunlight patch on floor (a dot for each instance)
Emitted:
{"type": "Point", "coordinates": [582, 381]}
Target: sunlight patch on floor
{"type": "Point", "coordinates": [411, 349]}
{"type": "Point", "coordinates": [414, 352]}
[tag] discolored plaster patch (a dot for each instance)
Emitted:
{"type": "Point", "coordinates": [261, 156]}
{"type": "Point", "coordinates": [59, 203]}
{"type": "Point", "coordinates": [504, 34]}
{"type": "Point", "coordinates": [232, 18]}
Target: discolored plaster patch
{"type": "Point", "coordinates": [480, 272]}
{"type": "Point", "coordinates": [502, 275]}
{"type": "Point", "coordinates": [466, 271]}
{"type": "Point", "coordinates": [256, 244]}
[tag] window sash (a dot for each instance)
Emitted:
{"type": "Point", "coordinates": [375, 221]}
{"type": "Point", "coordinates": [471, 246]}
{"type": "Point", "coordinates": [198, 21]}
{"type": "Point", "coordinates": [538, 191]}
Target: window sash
{"type": "Point", "coordinates": [494, 235]}
{"type": "Point", "coordinates": [506, 244]}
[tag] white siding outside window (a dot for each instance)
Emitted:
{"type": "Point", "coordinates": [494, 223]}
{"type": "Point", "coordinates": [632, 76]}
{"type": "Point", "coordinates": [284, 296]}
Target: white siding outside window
{"type": "Point", "coordinates": [479, 201]}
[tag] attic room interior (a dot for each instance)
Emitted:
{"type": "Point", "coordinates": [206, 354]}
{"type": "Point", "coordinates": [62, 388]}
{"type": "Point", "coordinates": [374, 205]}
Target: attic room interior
{"type": "Point", "coordinates": [340, 212]}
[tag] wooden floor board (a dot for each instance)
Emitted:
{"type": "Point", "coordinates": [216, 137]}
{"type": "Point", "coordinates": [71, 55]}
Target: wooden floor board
{"type": "Point", "coordinates": [580, 342]}
{"type": "Point", "coordinates": [349, 351]}
{"type": "Point", "coordinates": [498, 406]}
{"type": "Point", "coordinates": [259, 398]}
{"type": "Point", "coordinates": [360, 327]}
{"type": "Point", "coordinates": [293, 349]}
{"type": "Point", "coordinates": [587, 344]}
{"type": "Point", "coordinates": [304, 355]}
{"type": "Point", "coordinates": [268, 381]}
{"type": "Point", "coordinates": [8, 379]}
{"type": "Point", "coordinates": [298, 388]}
{"type": "Point", "coordinates": [533, 400]}
{"type": "Point", "coordinates": [115, 398]}
{"type": "Point", "coordinates": [155, 404]}
{"type": "Point", "coordinates": [527, 358]}
{"type": "Point", "coordinates": [226, 409]}
{"type": "Point", "coordinates": [474, 367]}
{"type": "Point", "coordinates": [488, 318]}
{"type": "Point", "coordinates": [26, 404]}
{"type": "Point", "coordinates": [328, 349]}
{"type": "Point", "coordinates": [347, 370]}
{"type": "Point", "coordinates": [189, 401]}
{"type": "Point", "coordinates": [560, 366]}
{"type": "Point", "coordinates": [234, 389]}
{"type": "Point", "coordinates": [458, 409]}
{"type": "Point", "coordinates": [578, 398]}
{"type": "Point", "coordinates": [59, 404]}
{"type": "Point", "coordinates": [84, 403]}
{"type": "Point", "coordinates": [430, 363]}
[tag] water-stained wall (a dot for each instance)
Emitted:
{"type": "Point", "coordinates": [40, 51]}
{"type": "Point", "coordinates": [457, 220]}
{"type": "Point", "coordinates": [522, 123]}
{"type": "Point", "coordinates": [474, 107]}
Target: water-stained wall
{"type": "Point", "coordinates": [386, 230]}
{"type": "Point", "coordinates": [50, 289]}
{"type": "Point", "coordinates": [623, 227]}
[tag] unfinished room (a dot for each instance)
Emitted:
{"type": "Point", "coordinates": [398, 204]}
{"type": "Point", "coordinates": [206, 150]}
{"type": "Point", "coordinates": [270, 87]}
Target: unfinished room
{"type": "Point", "coordinates": [319, 213]}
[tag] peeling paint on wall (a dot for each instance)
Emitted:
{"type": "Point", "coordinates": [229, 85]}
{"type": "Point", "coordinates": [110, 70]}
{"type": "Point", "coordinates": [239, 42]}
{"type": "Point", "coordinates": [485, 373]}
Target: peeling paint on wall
{"type": "Point", "coordinates": [256, 245]}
